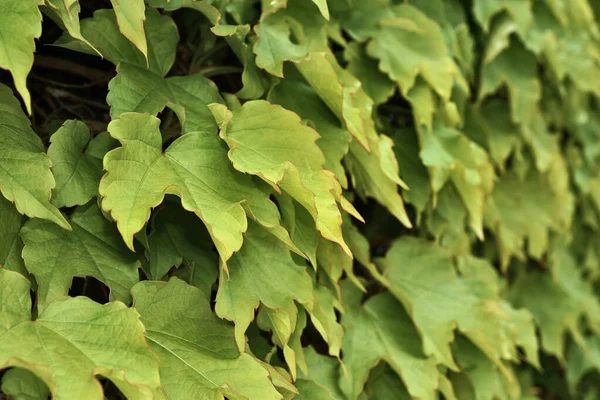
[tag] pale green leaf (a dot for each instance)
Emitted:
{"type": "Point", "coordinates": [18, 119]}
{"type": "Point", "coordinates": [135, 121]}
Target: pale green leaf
{"type": "Point", "coordinates": [102, 32]}
{"type": "Point", "coordinates": [21, 384]}
{"type": "Point", "coordinates": [304, 101]}
{"type": "Point", "coordinates": [66, 14]}
{"type": "Point", "coordinates": [77, 171]}
{"type": "Point", "coordinates": [136, 89]}
{"type": "Point", "coordinates": [274, 44]}
{"type": "Point", "coordinates": [10, 242]}
{"type": "Point", "coordinates": [261, 272]}
{"type": "Point", "coordinates": [93, 248]}
{"type": "Point", "coordinates": [375, 83]}
{"type": "Point", "coordinates": [197, 350]}
{"type": "Point", "coordinates": [130, 17]}
{"type": "Point", "coordinates": [323, 371]}
{"type": "Point", "coordinates": [25, 176]}
{"type": "Point", "coordinates": [519, 10]}
{"type": "Point", "coordinates": [271, 142]}
{"type": "Point", "coordinates": [411, 45]}
{"type": "Point", "coordinates": [177, 236]}
{"type": "Point", "coordinates": [377, 330]}
{"type": "Point", "coordinates": [73, 341]}
{"type": "Point", "coordinates": [194, 167]}
{"type": "Point", "coordinates": [20, 24]}
{"type": "Point", "coordinates": [421, 275]}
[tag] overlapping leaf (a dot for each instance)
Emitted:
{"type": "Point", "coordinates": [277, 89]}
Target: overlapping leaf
{"type": "Point", "coordinates": [73, 341]}
{"type": "Point", "coordinates": [194, 167]}
{"type": "Point", "coordinates": [197, 350]}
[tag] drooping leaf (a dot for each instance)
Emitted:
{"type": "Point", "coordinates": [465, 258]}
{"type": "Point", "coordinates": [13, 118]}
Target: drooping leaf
{"type": "Point", "coordinates": [25, 176]}
{"type": "Point", "coordinates": [253, 280]}
{"type": "Point", "coordinates": [21, 384]}
{"type": "Point", "coordinates": [77, 163]}
{"type": "Point", "coordinates": [197, 350]}
{"type": "Point", "coordinates": [130, 17]}
{"type": "Point", "coordinates": [396, 341]}
{"type": "Point", "coordinates": [177, 236]}
{"type": "Point", "coordinates": [409, 45]}
{"type": "Point", "coordinates": [334, 141]}
{"type": "Point", "coordinates": [10, 242]}
{"type": "Point", "coordinates": [20, 24]}
{"type": "Point", "coordinates": [73, 341]}
{"type": "Point", "coordinates": [139, 174]}
{"type": "Point", "coordinates": [420, 275]}
{"type": "Point", "coordinates": [102, 32]}
{"type": "Point", "coordinates": [93, 248]}
{"type": "Point", "coordinates": [271, 142]}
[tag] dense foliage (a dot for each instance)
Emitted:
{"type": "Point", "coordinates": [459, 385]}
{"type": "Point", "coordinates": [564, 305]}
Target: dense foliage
{"type": "Point", "coordinates": [326, 199]}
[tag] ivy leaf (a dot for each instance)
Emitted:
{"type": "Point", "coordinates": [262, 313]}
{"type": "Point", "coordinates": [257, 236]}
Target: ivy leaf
{"type": "Point", "coordinates": [21, 21]}
{"type": "Point", "coordinates": [66, 13]}
{"type": "Point", "coordinates": [304, 101]}
{"type": "Point", "coordinates": [136, 89]}
{"type": "Point", "coordinates": [77, 163]}
{"type": "Point", "coordinates": [286, 324]}
{"type": "Point", "coordinates": [271, 142]}
{"type": "Point", "coordinates": [375, 83]}
{"type": "Point", "coordinates": [92, 248]}
{"type": "Point", "coordinates": [102, 33]}
{"type": "Point", "coordinates": [521, 79]}
{"type": "Point", "coordinates": [396, 341]}
{"type": "Point", "coordinates": [25, 176]}
{"type": "Point", "coordinates": [73, 340]}
{"type": "Point", "coordinates": [176, 236]}
{"type": "Point", "coordinates": [520, 11]}
{"type": "Point", "coordinates": [324, 372]}
{"type": "Point", "coordinates": [194, 167]}
{"type": "Point", "coordinates": [300, 225]}
{"type": "Point", "coordinates": [252, 280]}
{"type": "Point", "coordinates": [10, 242]}
{"type": "Point", "coordinates": [514, 198]}
{"type": "Point", "coordinates": [411, 45]}
{"type": "Point", "coordinates": [197, 350]}
{"type": "Point", "coordinates": [130, 17]}
{"type": "Point", "coordinates": [274, 44]}
{"type": "Point", "coordinates": [419, 275]}
{"type": "Point", "coordinates": [481, 378]}
{"type": "Point", "coordinates": [21, 384]}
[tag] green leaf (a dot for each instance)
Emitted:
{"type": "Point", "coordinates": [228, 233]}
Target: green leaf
{"type": "Point", "coordinates": [519, 11]}
{"type": "Point", "coordinates": [521, 79]}
{"type": "Point", "coordinates": [136, 89]}
{"type": "Point", "coordinates": [102, 32]}
{"type": "Point", "coordinates": [66, 14]}
{"type": "Point", "coordinates": [21, 384]}
{"type": "Point", "coordinates": [274, 44]}
{"type": "Point", "coordinates": [271, 142]}
{"type": "Point", "coordinates": [378, 330]}
{"type": "Point", "coordinates": [304, 101]}
{"type": "Point", "coordinates": [411, 45]}
{"type": "Point", "coordinates": [130, 17]}
{"type": "Point", "coordinates": [25, 176]}
{"type": "Point", "coordinates": [375, 83]}
{"type": "Point", "coordinates": [10, 242]}
{"type": "Point", "coordinates": [484, 379]}
{"type": "Point", "coordinates": [420, 275]}
{"type": "Point", "coordinates": [77, 163]}
{"type": "Point", "coordinates": [515, 199]}
{"type": "Point", "coordinates": [177, 236]}
{"type": "Point", "coordinates": [262, 272]}
{"type": "Point", "coordinates": [197, 350]}
{"type": "Point", "coordinates": [300, 225]}
{"type": "Point", "coordinates": [92, 248]}
{"type": "Point", "coordinates": [323, 371]}
{"type": "Point", "coordinates": [20, 24]}
{"type": "Point", "coordinates": [194, 167]}
{"type": "Point", "coordinates": [72, 341]}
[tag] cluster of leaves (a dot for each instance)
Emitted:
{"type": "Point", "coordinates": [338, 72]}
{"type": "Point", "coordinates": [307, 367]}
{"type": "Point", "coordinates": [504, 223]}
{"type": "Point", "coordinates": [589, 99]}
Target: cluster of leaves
{"type": "Point", "coordinates": [369, 200]}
